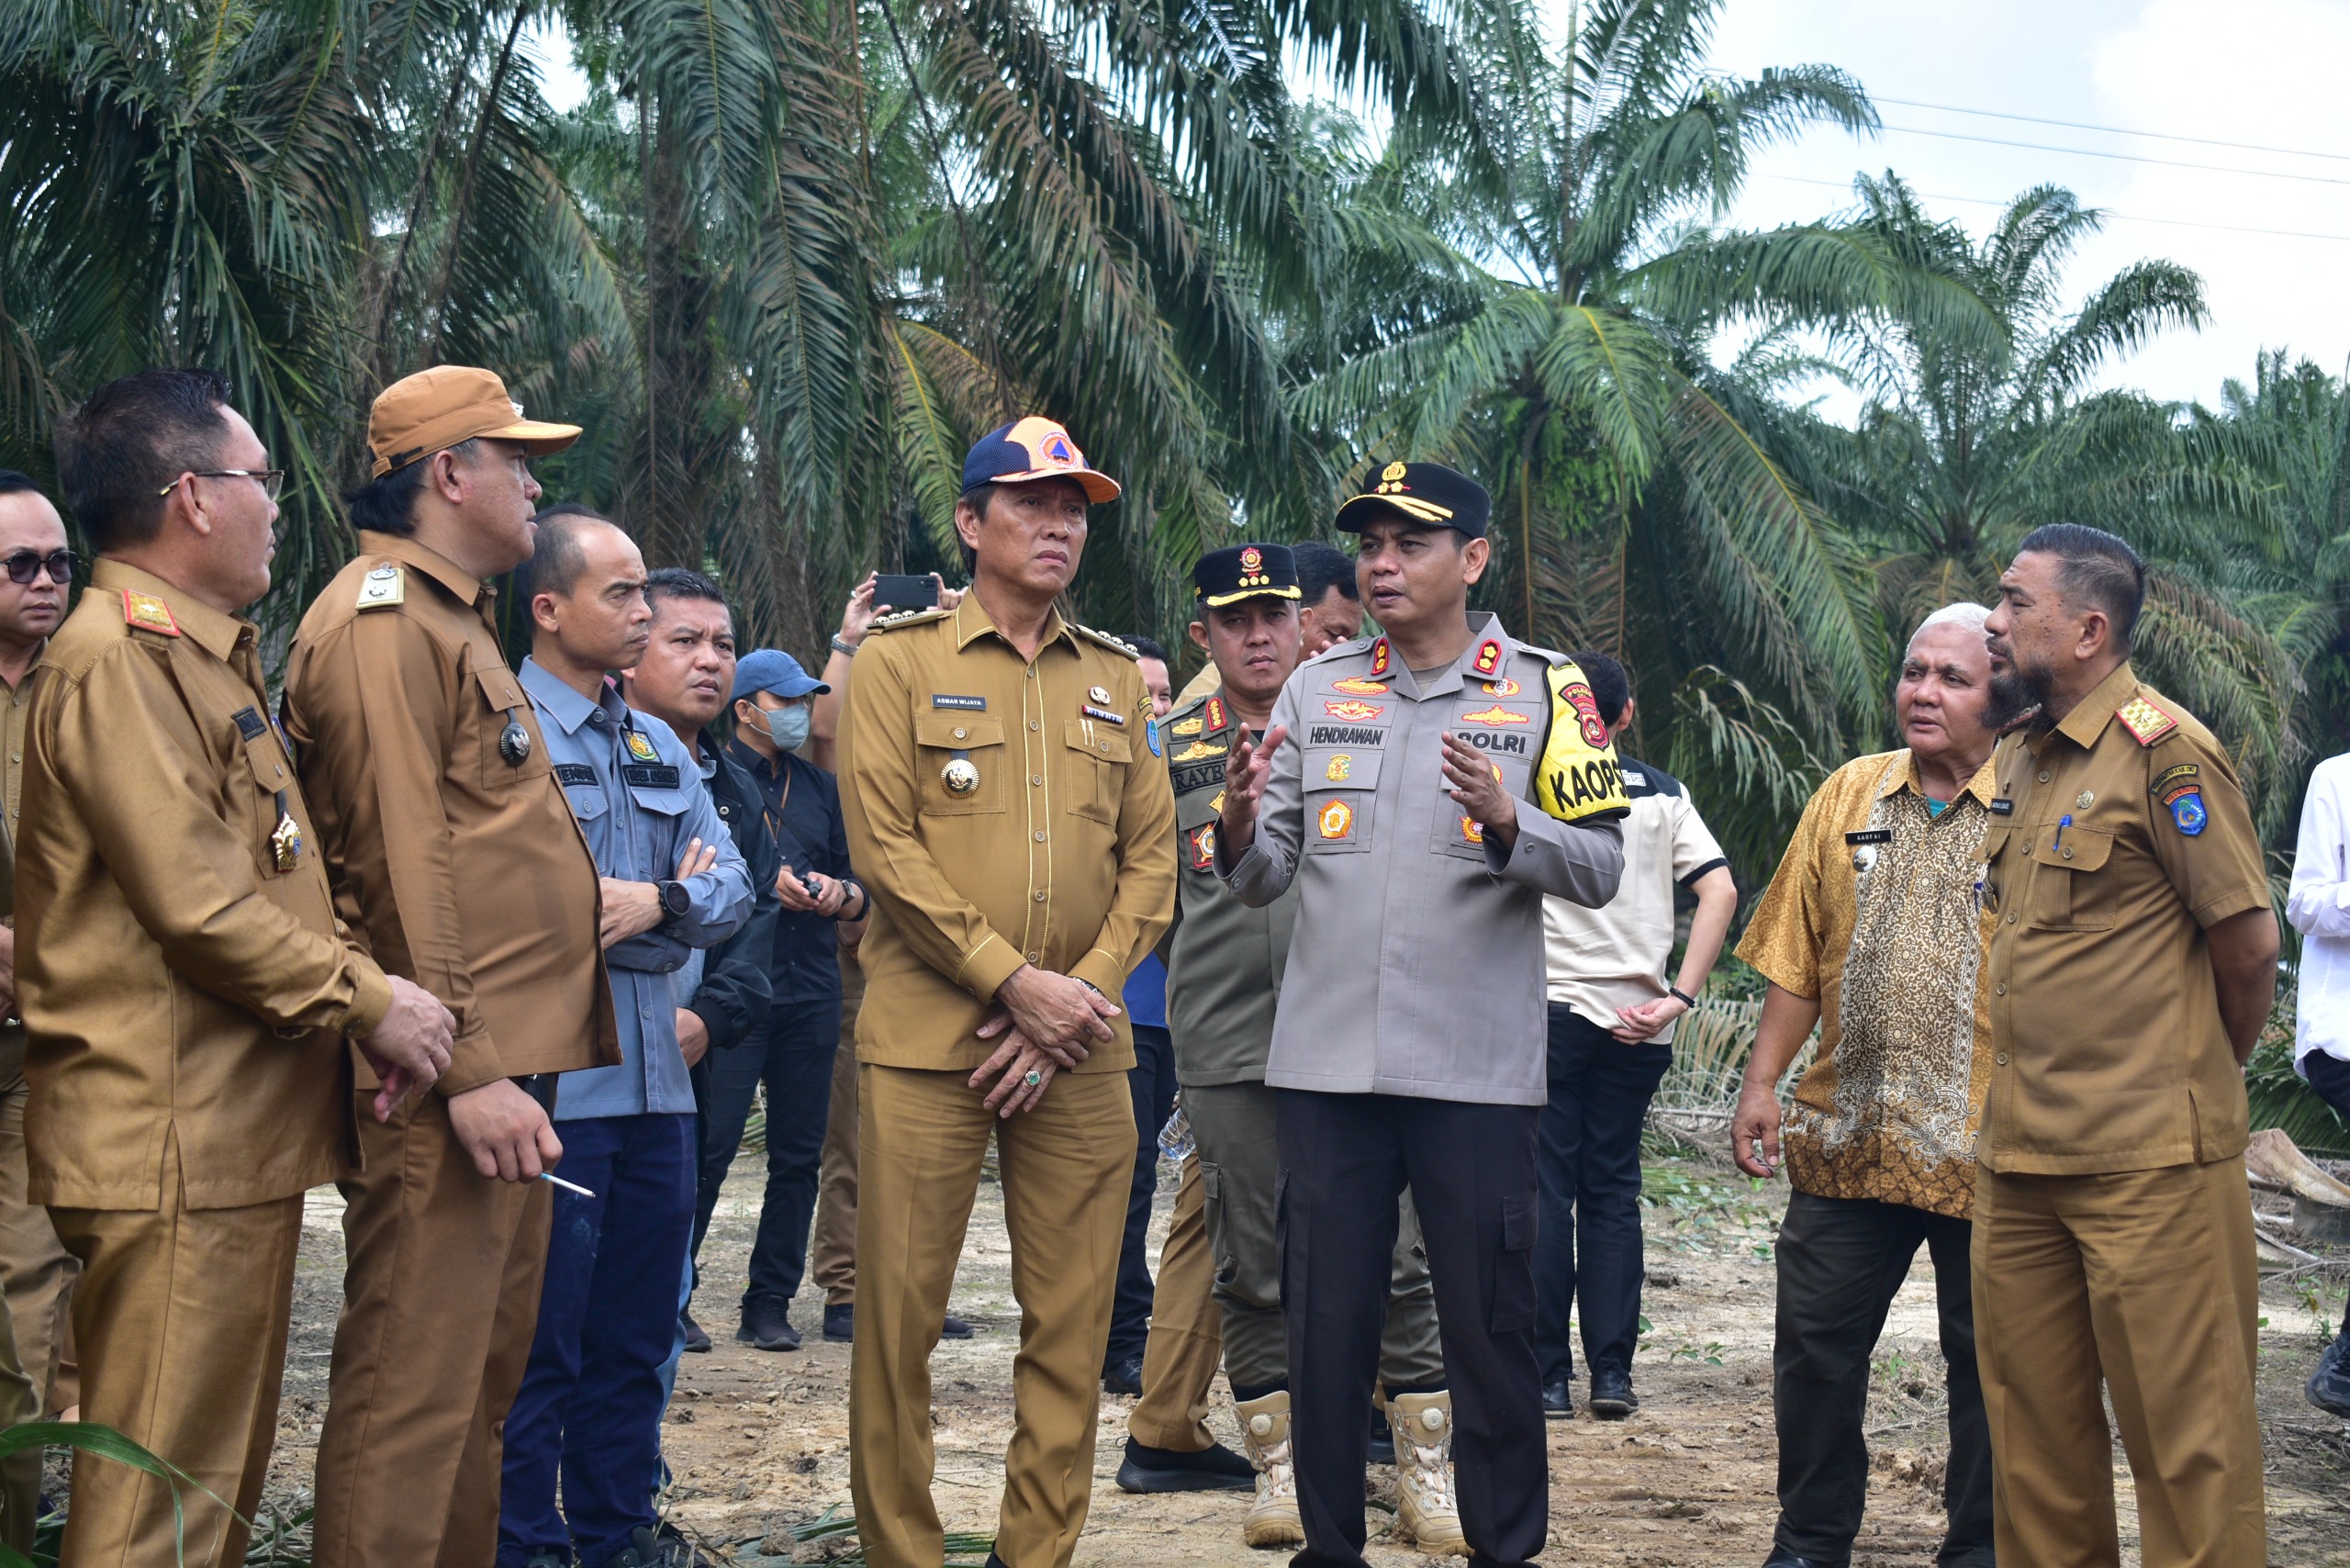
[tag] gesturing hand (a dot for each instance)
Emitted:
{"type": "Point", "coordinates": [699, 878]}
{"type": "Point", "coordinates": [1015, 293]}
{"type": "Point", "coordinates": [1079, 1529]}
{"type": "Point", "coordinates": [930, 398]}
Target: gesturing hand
{"type": "Point", "coordinates": [1475, 785]}
{"type": "Point", "coordinates": [1246, 770]}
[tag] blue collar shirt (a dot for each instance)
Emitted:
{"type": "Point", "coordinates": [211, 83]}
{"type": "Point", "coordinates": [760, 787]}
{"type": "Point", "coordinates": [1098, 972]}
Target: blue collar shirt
{"type": "Point", "coordinates": [638, 812]}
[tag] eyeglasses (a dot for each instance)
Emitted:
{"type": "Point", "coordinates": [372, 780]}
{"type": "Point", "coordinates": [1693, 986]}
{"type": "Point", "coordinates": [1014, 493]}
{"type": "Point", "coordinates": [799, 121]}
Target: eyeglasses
{"type": "Point", "coordinates": [24, 566]}
{"type": "Point", "coordinates": [271, 480]}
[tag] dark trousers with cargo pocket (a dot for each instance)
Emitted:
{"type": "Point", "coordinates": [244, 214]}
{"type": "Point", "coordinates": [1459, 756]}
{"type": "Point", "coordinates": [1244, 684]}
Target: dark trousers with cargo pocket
{"type": "Point", "coordinates": [1841, 1260]}
{"type": "Point", "coordinates": [1345, 1160]}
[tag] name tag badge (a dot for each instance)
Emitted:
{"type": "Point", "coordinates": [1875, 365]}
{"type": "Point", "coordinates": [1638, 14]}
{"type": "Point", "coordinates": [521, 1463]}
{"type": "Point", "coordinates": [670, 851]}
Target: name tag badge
{"type": "Point", "coordinates": [2003, 807]}
{"type": "Point", "coordinates": [962, 704]}
{"type": "Point", "coordinates": [1870, 836]}
{"type": "Point", "coordinates": [571, 774]}
{"type": "Point", "coordinates": [639, 776]}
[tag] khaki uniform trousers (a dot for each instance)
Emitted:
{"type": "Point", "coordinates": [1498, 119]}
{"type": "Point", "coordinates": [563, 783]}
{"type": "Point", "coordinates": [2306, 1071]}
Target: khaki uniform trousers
{"type": "Point", "coordinates": [1186, 1343]}
{"type": "Point", "coordinates": [834, 1267]}
{"type": "Point", "coordinates": [36, 1273]}
{"type": "Point", "coordinates": [181, 1318]}
{"type": "Point", "coordinates": [2144, 1280]}
{"type": "Point", "coordinates": [441, 1298]}
{"type": "Point", "coordinates": [1067, 1166]}
{"type": "Point", "coordinates": [1240, 1156]}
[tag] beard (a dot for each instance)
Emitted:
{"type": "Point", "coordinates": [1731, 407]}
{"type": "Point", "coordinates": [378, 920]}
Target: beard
{"type": "Point", "coordinates": [2014, 693]}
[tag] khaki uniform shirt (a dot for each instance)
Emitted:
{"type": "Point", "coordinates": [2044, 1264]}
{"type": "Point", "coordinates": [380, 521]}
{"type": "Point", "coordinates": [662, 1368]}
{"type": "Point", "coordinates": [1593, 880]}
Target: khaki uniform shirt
{"type": "Point", "coordinates": [460, 870]}
{"type": "Point", "coordinates": [2108, 1053]}
{"type": "Point", "coordinates": [1224, 972]}
{"type": "Point", "coordinates": [178, 983]}
{"type": "Point", "coordinates": [1615, 956]}
{"type": "Point", "coordinates": [1416, 967]}
{"type": "Point", "coordinates": [1059, 852]}
{"type": "Point", "coordinates": [1875, 915]}
{"type": "Point", "coordinates": [12, 736]}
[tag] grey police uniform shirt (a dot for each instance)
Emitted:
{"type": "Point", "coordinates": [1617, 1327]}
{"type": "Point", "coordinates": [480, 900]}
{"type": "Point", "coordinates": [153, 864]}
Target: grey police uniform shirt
{"type": "Point", "coordinates": [1416, 965]}
{"type": "Point", "coordinates": [1224, 963]}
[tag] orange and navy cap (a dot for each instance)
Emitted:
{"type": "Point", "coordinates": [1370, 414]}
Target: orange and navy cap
{"type": "Point", "coordinates": [1032, 448]}
{"type": "Point", "coordinates": [433, 409]}
{"type": "Point", "coordinates": [1427, 493]}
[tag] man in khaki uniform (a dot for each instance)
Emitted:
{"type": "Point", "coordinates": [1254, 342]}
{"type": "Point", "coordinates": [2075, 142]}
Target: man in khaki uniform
{"type": "Point", "coordinates": [2131, 964]}
{"type": "Point", "coordinates": [35, 1271]}
{"type": "Point", "coordinates": [455, 856]}
{"type": "Point", "coordinates": [186, 986]}
{"type": "Point", "coordinates": [1009, 810]}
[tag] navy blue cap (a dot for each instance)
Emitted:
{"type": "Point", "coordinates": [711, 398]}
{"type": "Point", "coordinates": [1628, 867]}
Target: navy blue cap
{"type": "Point", "coordinates": [772, 669]}
{"type": "Point", "coordinates": [1427, 493]}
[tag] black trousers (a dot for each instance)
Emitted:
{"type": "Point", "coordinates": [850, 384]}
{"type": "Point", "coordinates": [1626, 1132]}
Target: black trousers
{"type": "Point", "coordinates": [1840, 1262]}
{"type": "Point", "coordinates": [1152, 1080]}
{"type": "Point", "coordinates": [1589, 1163]}
{"type": "Point", "coordinates": [2329, 1075]}
{"type": "Point", "coordinates": [794, 1059]}
{"type": "Point", "coordinates": [1345, 1160]}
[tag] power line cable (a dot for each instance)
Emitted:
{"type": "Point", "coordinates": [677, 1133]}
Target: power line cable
{"type": "Point", "coordinates": [2117, 217]}
{"type": "Point", "coordinates": [2117, 130]}
{"type": "Point", "coordinates": [2120, 157]}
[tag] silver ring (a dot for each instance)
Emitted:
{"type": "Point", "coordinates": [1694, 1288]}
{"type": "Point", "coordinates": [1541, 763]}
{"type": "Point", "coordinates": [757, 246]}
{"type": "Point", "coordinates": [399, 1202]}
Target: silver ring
{"type": "Point", "coordinates": [1034, 1078]}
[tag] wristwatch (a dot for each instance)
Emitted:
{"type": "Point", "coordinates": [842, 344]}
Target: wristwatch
{"type": "Point", "coordinates": [842, 648]}
{"type": "Point", "coordinates": [674, 900]}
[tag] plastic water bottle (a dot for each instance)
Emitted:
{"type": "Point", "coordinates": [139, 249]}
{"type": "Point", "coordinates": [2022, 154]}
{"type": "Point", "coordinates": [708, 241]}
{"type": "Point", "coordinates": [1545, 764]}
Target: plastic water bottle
{"type": "Point", "coordinates": [1175, 1140]}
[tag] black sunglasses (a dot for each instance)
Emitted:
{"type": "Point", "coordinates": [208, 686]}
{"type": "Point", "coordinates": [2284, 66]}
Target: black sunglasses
{"type": "Point", "coordinates": [24, 566]}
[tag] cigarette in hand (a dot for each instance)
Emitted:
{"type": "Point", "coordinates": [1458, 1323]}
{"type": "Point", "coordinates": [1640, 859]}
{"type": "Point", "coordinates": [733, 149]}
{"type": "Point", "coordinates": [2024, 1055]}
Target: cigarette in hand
{"type": "Point", "coordinates": [567, 1186]}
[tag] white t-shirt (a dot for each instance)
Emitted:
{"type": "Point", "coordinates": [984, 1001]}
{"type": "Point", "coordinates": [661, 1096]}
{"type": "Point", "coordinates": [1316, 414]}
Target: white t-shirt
{"type": "Point", "coordinates": [1600, 959]}
{"type": "Point", "coordinates": [2319, 907]}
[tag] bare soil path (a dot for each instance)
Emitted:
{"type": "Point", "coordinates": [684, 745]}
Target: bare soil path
{"type": "Point", "coordinates": [759, 1441]}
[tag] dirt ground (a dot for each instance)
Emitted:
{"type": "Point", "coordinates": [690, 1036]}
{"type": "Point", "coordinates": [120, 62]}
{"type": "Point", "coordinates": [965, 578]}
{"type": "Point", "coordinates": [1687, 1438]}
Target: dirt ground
{"type": "Point", "coordinates": [759, 1441]}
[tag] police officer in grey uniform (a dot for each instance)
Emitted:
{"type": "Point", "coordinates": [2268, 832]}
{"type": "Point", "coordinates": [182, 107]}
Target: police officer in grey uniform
{"type": "Point", "coordinates": [1424, 789]}
{"type": "Point", "coordinates": [1224, 976]}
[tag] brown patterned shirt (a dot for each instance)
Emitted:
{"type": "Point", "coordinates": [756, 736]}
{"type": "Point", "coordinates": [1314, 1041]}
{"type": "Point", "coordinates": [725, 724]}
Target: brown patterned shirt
{"type": "Point", "coordinates": [1875, 913]}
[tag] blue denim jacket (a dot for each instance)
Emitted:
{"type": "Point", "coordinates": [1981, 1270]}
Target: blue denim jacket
{"type": "Point", "coordinates": [639, 797]}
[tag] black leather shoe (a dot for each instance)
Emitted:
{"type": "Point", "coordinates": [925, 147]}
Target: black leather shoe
{"type": "Point", "coordinates": [1123, 1376]}
{"type": "Point", "coordinates": [1558, 1399]}
{"type": "Point", "coordinates": [954, 1328]}
{"type": "Point", "coordinates": [650, 1548]}
{"type": "Point", "coordinates": [840, 1323]}
{"type": "Point", "coordinates": [697, 1337]}
{"type": "Point", "coordinates": [1612, 1399]}
{"type": "Point", "coordinates": [766, 1323]}
{"type": "Point", "coordinates": [1782, 1557]}
{"type": "Point", "coordinates": [1382, 1441]}
{"type": "Point", "coordinates": [1214, 1469]}
{"type": "Point", "coordinates": [2329, 1387]}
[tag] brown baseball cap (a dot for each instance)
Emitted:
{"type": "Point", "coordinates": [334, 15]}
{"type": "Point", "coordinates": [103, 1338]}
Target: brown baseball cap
{"type": "Point", "coordinates": [433, 409]}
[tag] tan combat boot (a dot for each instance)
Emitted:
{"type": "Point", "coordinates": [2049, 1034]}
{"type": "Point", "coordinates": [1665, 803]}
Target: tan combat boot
{"type": "Point", "coordinates": [1272, 1519]}
{"type": "Point", "coordinates": [1426, 1512]}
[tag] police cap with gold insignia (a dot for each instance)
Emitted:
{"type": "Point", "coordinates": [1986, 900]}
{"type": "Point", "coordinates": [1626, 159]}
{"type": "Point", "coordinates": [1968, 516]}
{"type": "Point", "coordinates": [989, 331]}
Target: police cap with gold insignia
{"type": "Point", "coordinates": [1246, 571]}
{"type": "Point", "coordinates": [1425, 493]}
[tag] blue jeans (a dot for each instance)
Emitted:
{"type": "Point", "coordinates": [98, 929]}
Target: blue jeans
{"type": "Point", "coordinates": [1589, 1166]}
{"type": "Point", "coordinates": [794, 1057]}
{"type": "Point", "coordinates": [590, 1403]}
{"type": "Point", "coordinates": [1152, 1082]}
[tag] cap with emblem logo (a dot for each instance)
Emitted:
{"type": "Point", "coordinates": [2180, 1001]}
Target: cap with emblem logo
{"type": "Point", "coordinates": [434, 410]}
{"type": "Point", "coordinates": [1032, 448]}
{"type": "Point", "coordinates": [1425, 493]}
{"type": "Point", "coordinates": [1244, 571]}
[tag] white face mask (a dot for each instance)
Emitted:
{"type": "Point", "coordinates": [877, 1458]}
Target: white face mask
{"type": "Point", "coordinates": [788, 727]}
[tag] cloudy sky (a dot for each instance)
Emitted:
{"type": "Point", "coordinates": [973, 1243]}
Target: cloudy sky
{"type": "Point", "coordinates": [2266, 72]}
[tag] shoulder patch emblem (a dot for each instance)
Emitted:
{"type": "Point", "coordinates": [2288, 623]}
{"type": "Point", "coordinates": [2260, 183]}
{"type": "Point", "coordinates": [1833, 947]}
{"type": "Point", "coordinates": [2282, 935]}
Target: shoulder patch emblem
{"type": "Point", "coordinates": [1497, 716]}
{"type": "Point", "coordinates": [2145, 722]}
{"type": "Point", "coordinates": [1151, 733]}
{"type": "Point", "coordinates": [2187, 809]}
{"type": "Point", "coordinates": [1190, 727]}
{"type": "Point", "coordinates": [908, 618]}
{"type": "Point", "coordinates": [2170, 776]}
{"type": "Point", "coordinates": [1356, 686]}
{"type": "Point", "coordinates": [147, 613]}
{"type": "Point", "coordinates": [387, 584]}
{"type": "Point", "coordinates": [1353, 711]}
{"type": "Point", "coordinates": [1196, 750]}
{"type": "Point", "coordinates": [1586, 707]}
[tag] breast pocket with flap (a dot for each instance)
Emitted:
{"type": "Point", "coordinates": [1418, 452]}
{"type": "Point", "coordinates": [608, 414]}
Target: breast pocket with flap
{"type": "Point", "coordinates": [1341, 792]}
{"type": "Point", "coordinates": [941, 740]}
{"type": "Point", "coordinates": [1100, 756]}
{"type": "Point", "coordinates": [500, 700]}
{"type": "Point", "coordinates": [2069, 879]}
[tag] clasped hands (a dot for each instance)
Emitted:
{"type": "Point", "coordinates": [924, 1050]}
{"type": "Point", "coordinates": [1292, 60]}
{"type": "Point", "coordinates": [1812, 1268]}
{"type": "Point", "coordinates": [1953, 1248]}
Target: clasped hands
{"type": "Point", "coordinates": [1047, 1022]}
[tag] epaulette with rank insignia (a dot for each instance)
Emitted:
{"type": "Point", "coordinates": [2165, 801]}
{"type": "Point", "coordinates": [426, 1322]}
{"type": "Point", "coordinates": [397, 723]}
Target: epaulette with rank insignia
{"type": "Point", "coordinates": [1117, 644]}
{"type": "Point", "coordinates": [2145, 722]}
{"type": "Point", "coordinates": [384, 585]}
{"type": "Point", "coordinates": [147, 613]}
{"type": "Point", "coordinates": [907, 617]}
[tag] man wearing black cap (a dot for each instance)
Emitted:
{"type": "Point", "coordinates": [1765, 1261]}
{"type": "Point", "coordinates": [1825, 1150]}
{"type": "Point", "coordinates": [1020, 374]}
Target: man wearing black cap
{"type": "Point", "coordinates": [1442, 779]}
{"type": "Point", "coordinates": [1224, 977]}
{"type": "Point", "coordinates": [1009, 814]}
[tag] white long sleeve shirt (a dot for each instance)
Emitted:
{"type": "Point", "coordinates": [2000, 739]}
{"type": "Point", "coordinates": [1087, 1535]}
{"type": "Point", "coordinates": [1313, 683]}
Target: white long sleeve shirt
{"type": "Point", "coordinates": [2319, 907]}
